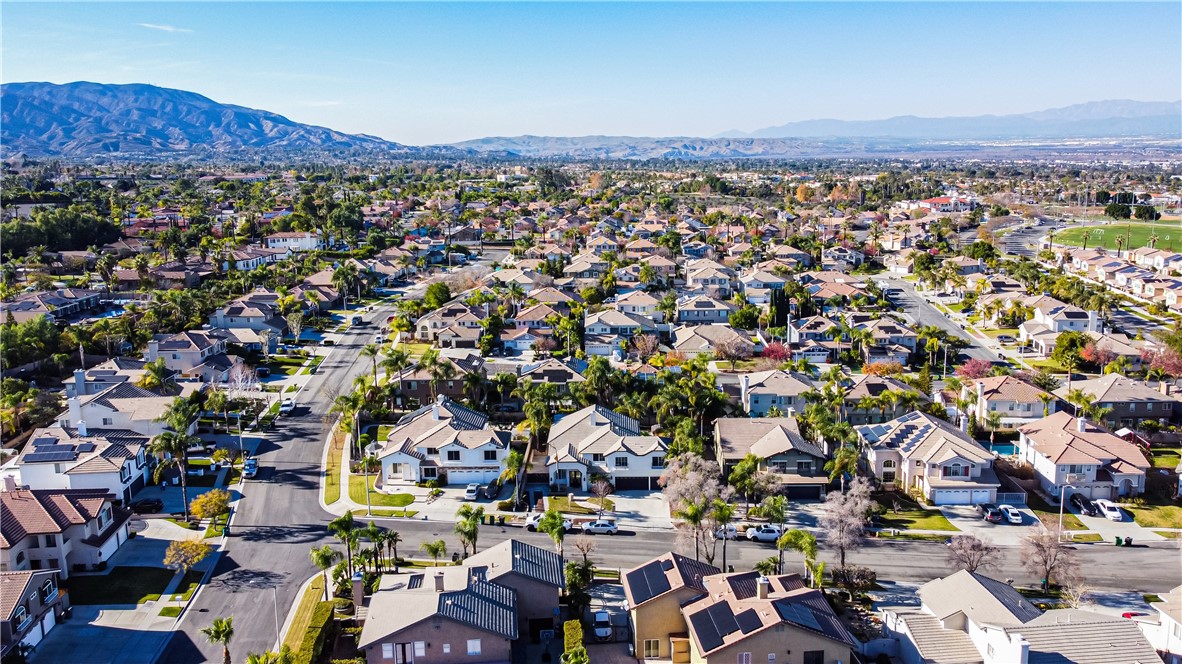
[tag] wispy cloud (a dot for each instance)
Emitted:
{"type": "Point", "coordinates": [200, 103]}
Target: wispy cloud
{"type": "Point", "coordinates": [163, 28]}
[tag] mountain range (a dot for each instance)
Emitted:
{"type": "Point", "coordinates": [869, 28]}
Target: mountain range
{"type": "Point", "coordinates": [93, 119]}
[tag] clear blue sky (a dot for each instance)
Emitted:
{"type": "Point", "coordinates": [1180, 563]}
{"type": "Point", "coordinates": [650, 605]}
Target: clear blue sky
{"type": "Point", "coordinates": [441, 72]}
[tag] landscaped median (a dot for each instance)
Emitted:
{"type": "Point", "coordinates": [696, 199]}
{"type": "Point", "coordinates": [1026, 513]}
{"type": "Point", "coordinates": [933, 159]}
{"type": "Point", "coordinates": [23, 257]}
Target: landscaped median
{"type": "Point", "coordinates": [332, 468]}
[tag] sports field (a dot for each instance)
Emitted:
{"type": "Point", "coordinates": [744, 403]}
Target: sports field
{"type": "Point", "coordinates": [1169, 235]}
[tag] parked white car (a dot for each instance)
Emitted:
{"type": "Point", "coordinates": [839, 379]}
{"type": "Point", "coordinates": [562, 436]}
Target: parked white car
{"type": "Point", "coordinates": [603, 626]}
{"type": "Point", "coordinates": [600, 527]}
{"type": "Point", "coordinates": [1110, 510]}
{"type": "Point", "coordinates": [531, 522]}
{"type": "Point", "coordinates": [726, 532]}
{"type": "Point", "coordinates": [286, 406]}
{"type": "Point", "coordinates": [1011, 513]}
{"type": "Point", "coordinates": [472, 492]}
{"type": "Point", "coordinates": [765, 533]}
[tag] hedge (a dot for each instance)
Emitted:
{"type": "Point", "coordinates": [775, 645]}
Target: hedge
{"type": "Point", "coordinates": [572, 635]}
{"type": "Point", "coordinates": [320, 629]}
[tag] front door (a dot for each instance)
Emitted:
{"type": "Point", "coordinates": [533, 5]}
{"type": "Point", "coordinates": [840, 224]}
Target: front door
{"type": "Point", "coordinates": [574, 479]}
{"type": "Point", "coordinates": [404, 653]}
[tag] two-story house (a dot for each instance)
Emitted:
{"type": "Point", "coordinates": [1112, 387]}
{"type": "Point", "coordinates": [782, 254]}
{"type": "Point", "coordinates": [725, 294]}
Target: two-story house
{"type": "Point", "coordinates": [655, 592]}
{"type": "Point", "coordinates": [1165, 633]}
{"type": "Point", "coordinates": [700, 309]}
{"type": "Point", "coordinates": [121, 406]}
{"type": "Point", "coordinates": [640, 303]}
{"type": "Point", "coordinates": [924, 454]}
{"type": "Point", "coordinates": [610, 322]}
{"type": "Point", "coordinates": [597, 441]}
{"type": "Point", "coordinates": [195, 354]}
{"type": "Point", "coordinates": [31, 604]}
{"type": "Point", "coordinates": [294, 241]}
{"type": "Point", "coordinates": [76, 458]}
{"type": "Point", "coordinates": [798, 464]}
{"type": "Point", "coordinates": [1017, 402]}
{"type": "Point", "coordinates": [443, 441]}
{"type": "Point", "coordinates": [694, 340]}
{"type": "Point", "coordinates": [1072, 456]}
{"type": "Point", "coordinates": [428, 326]}
{"type": "Point", "coordinates": [760, 391]}
{"type": "Point", "coordinates": [64, 529]}
{"type": "Point", "coordinates": [1131, 401]}
{"type": "Point", "coordinates": [865, 403]}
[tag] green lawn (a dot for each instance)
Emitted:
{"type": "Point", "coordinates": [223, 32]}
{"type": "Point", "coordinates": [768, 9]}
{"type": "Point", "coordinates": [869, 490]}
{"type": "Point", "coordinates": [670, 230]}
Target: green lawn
{"type": "Point", "coordinates": [1169, 235]}
{"type": "Point", "coordinates": [313, 595]}
{"type": "Point", "coordinates": [1166, 459]}
{"type": "Point", "coordinates": [124, 585]}
{"type": "Point", "coordinates": [188, 586]}
{"type": "Point", "coordinates": [332, 479]}
{"type": "Point", "coordinates": [1155, 516]}
{"type": "Point", "coordinates": [1049, 515]}
{"type": "Point", "coordinates": [414, 349]}
{"type": "Point", "coordinates": [357, 494]}
{"type": "Point", "coordinates": [403, 514]}
{"type": "Point", "coordinates": [561, 504]}
{"type": "Point", "coordinates": [1012, 331]}
{"type": "Point", "coordinates": [1087, 537]}
{"type": "Point", "coordinates": [915, 537]}
{"type": "Point", "coordinates": [170, 611]}
{"type": "Point", "coordinates": [1169, 534]}
{"type": "Point", "coordinates": [911, 516]}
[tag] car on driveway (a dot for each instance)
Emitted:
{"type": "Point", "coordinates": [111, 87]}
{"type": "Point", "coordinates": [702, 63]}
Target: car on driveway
{"type": "Point", "coordinates": [1012, 514]}
{"type": "Point", "coordinates": [1083, 504]}
{"type": "Point", "coordinates": [600, 527]}
{"type": "Point", "coordinates": [250, 468]}
{"type": "Point", "coordinates": [603, 626]}
{"type": "Point", "coordinates": [286, 406]}
{"type": "Point", "coordinates": [1005, 339]}
{"type": "Point", "coordinates": [1110, 510]}
{"type": "Point", "coordinates": [992, 514]}
{"type": "Point", "coordinates": [472, 492]}
{"type": "Point", "coordinates": [531, 522]}
{"type": "Point", "coordinates": [764, 533]}
{"type": "Point", "coordinates": [147, 506]}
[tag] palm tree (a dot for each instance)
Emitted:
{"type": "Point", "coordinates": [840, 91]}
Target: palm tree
{"type": "Point", "coordinates": [775, 510]}
{"type": "Point", "coordinates": [722, 513]}
{"type": "Point", "coordinates": [284, 656]}
{"type": "Point", "coordinates": [844, 462]}
{"type": "Point", "coordinates": [344, 528]}
{"type": "Point", "coordinates": [551, 523]}
{"type": "Point", "coordinates": [221, 631]}
{"type": "Point", "coordinates": [392, 539]}
{"type": "Point", "coordinates": [324, 557]}
{"type": "Point", "coordinates": [344, 279]}
{"type": "Point", "coordinates": [371, 351]}
{"type": "Point", "coordinates": [396, 361]}
{"type": "Point", "coordinates": [694, 515]}
{"type": "Point", "coordinates": [1046, 398]}
{"type": "Point", "coordinates": [436, 549]}
{"type": "Point", "coordinates": [767, 566]}
{"type": "Point", "coordinates": [157, 376]}
{"type": "Point", "coordinates": [993, 421]}
{"type": "Point", "coordinates": [373, 532]}
{"type": "Point", "coordinates": [513, 463]}
{"type": "Point", "coordinates": [173, 448]}
{"type": "Point", "coordinates": [472, 516]}
{"type": "Point", "coordinates": [474, 383]}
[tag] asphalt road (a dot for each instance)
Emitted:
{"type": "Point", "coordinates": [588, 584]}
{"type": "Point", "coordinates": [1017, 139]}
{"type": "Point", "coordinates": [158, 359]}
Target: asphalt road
{"type": "Point", "coordinates": [923, 313]}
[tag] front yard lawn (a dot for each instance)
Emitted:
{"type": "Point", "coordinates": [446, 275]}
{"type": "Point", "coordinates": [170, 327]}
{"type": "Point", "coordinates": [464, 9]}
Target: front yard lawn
{"type": "Point", "coordinates": [561, 504]}
{"type": "Point", "coordinates": [1166, 459]}
{"type": "Point", "coordinates": [124, 585]}
{"type": "Point", "coordinates": [188, 586]}
{"type": "Point", "coordinates": [910, 516]}
{"type": "Point", "coordinates": [1155, 516]}
{"type": "Point", "coordinates": [414, 349]}
{"type": "Point", "coordinates": [357, 494]}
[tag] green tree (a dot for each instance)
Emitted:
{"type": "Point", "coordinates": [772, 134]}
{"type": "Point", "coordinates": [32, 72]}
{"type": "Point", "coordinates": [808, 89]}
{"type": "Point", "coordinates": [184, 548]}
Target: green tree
{"type": "Point", "coordinates": [220, 632]}
{"type": "Point", "coordinates": [324, 557]}
{"type": "Point", "coordinates": [436, 549]}
{"type": "Point", "coordinates": [437, 295]}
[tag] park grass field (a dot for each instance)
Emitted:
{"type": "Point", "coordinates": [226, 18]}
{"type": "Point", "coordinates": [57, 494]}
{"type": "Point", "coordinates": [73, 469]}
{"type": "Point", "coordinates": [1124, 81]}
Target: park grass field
{"type": "Point", "coordinates": [1169, 235]}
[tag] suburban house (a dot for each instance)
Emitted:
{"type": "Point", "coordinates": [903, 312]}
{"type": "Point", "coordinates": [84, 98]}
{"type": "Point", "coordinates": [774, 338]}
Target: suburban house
{"type": "Point", "coordinates": [1165, 635]}
{"type": "Point", "coordinates": [68, 458]}
{"type": "Point", "coordinates": [1069, 452]}
{"type": "Point", "coordinates": [445, 614]}
{"type": "Point", "coordinates": [640, 303]}
{"type": "Point", "coordinates": [294, 241]}
{"type": "Point", "coordinates": [114, 371]}
{"type": "Point", "coordinates": [420, 387]}
{"type": "Point", "coordinates": [428, 326]}
{"type": "Point", "coordinates": [761, 391]}
{"type": "Point", "coordinates": [535, 573]}
{"type": "Point", "coordinates": [443, 441]}
{"type": "Point", "coordinates": [597, 441]}
{"type": "Point", "coordinates": [924, 454]}
{"type": "Point", "coordinates": [693, 340]}
{"type": "Point", "coordinates": [610, 322]}
{"type": "Point", "coordinates": [655, 592]}
{"type": "Point", "coordinates": [31, 604]}
{"type": "Point", "coordinates": [797, 463]}
{"type": "Point", "coordinates": [121, 406]}
{"type": "Point", "coordinates": [969, 617]}
{"type": "Point", "coordinates": [697, 309]}
{"type": "Point", "coordinates": [856, 410]}
{"type": "Point", "coordinates": [55, 304]}
{"type": "Point", "coordinates": [247, 312]}
{"type": "Point", "coordinates": [1132, 401]}
{"type": "Point", "coordinates": [552, 371]}
{"type": "Point", "coordinates": [1016, 401]}
{"type": "Point", "coordinates": [195, 354]}
{"type": "Point", "coordinates": [63, 529]}
{"type": "Point", "coordinates": [1050, 317]}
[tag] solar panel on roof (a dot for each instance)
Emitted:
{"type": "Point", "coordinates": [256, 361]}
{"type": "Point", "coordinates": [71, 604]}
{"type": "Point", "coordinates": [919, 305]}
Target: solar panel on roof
{"type": "Point", "coordinates": [798, 614]}
{"type": "Point", "coordinates": [38, 442]}
{"type": "Point", "coordinates": [748, 621]}
{"type": "Point", "coordinates": [708, 636]}
{"type": "Point", "coordinates": [86, 447]}
{"type": "Point", "coordinates": [666, 565]}
{"type": "Point", "coordinates": [658, 583]}
{"type": "Point", "coordinates": [55, 448]}
{"type": "Point", "coordinates": [49, 457]}
{"type": "Point", "coordinates": [724, 620]}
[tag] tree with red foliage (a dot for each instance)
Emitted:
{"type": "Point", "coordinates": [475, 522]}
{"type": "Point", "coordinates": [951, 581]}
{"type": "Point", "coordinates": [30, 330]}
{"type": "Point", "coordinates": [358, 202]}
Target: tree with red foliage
{"type": "Point", "coordinates": [888, 368]}
{"type": "Point", "coordinates": [1095, 355]}
{"type": "Point", "coordinates": [974, 369]}
{"type": "Point", "coordinates": [1167, 361]}
{"type": "Point", "coordinates": [777, 351]}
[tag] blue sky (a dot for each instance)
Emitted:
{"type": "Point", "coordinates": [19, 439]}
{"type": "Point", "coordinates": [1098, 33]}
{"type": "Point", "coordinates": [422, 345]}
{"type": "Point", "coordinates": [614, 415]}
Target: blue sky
{"type": "Point", "coordinates": [441, 72]}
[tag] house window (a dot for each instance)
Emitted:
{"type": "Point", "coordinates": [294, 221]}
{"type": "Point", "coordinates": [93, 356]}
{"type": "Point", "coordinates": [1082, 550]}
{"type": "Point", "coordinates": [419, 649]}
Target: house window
{"type": "Point", "coordinates": [108, 421]}
{"type": "Point", "coordinates": [490, 455]}
{"type": "Point", "coordinates": [814, 657]}
{"type": "Point", "coordinates": [20, 617]}
{"type": "Point", "coordinates": [804, 467]}
{"type": "Point", "coordinates": [658, 462]}
{"type": "Point", "coordinates": [387, 651]}
{"type": "Point", "coordinates": [447, 648]}
{"type": "Point", "coordinates": [889, 463]}
{"type": "Point", "coordinates": [955, 470]}
{"type": "Point", "coordinates": [473, 646]}
{"type": "Point", "coordinates": [744, 658]}
{"type": "Point", "coordinates": [561, 474]}
{"type": "Point", "coordinates": [652, 648]}
{"type": "Point", "coordinates": [432, 451]}
{"type": "Point", "coordinates": [20, 558]}
{"type": "Point", "coordinates": [420, 648]}
{"type": "Point", "coordinates": [430, 473]}
{"type": "Point", "coordinates": [919, 463]}
{"type": "Point", "coordinates": [888, 476]}
{"type": "Point", "coordinates": [621, 462]}
{"type": "Point", "coordinates": [453, 455]}
{"type": "Point", "coordinates": [597, 457]}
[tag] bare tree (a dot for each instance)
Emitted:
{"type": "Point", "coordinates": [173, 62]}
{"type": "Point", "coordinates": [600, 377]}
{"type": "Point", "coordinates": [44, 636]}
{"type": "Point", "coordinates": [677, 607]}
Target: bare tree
{"type": "Point", "coordinates": [971, 553]}
{"type": "Point", "coordinates": [1075, 590]}
{"type": "Point", "coordinates": [689, 477]}
{"type": "Point", "coordinates": [1044, 553]}
{"type": "Point", "coordinates": [646, 345]}
{"type": "Point", "coordinates": [295, 323]}
{"type": "Point", "coordinates": [601, 489]}
{"type": "Point", "coordinates": [731, 350]}
{"type": "Point", "coordinates": [844, 519]}
{"type": "Point", "coordinates": [585, 545]}
{"type": "Point", "coordinates": [265, 336]}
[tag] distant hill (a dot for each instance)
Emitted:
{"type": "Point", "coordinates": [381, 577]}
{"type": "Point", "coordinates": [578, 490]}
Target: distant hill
{"type": "Point", "coordinates": [84, 119]}
{"type": "Point", "coordinates": [1107, 119]}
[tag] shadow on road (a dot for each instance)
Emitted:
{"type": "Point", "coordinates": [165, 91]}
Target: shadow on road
{"type": "Point", "coordinates": [282, 534]}
{"type": "Point", "coordinates": [234, 579]}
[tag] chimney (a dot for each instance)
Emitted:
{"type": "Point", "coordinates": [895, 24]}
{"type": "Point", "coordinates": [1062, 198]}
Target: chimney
{"type": "Point", "coordinates": [762, 586]}
{"type": "Point", "coordinates": [79, 382]}
{"type": "Point", "coordinates": [75, 407]}
{"type": "Point", "coordinates": [439, 582]}
{"type": "Point", "coordinates": [964, 423]}
{"type": "Point", "coordinates": [82, 428]}
{"type": "Point", "coordinates": [153, 350]}
{"type": "Point", "coordinates": [9, 483]}
{"type": "Point", "coordinates": [981, 395]}
{"type": "Point", "coordinates": [744, 385]}
{"type": "Point", "coordinates": [435, 411]}
{"type": "Point", "coordinates": [1081, 424]}
{"type": "Point", "coordinates": [1164, 387]}
{"type": "Point", "coordinates": [358, 591]}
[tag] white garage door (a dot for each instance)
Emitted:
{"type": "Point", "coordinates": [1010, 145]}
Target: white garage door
{"type": "Point", "coordinates": [981, 496]}
{"type": "Point", "coordinates": [952, 497]}
{"type": "Point", "coordinates": [471, 476]}
{"type": "Point", "coordinates": [35, 635]}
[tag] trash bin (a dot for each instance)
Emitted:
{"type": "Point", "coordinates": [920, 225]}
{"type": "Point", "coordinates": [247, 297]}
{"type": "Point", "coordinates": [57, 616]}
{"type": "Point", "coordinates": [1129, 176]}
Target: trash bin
{"type": "Point", "coordinates": [1118, 540]}
{"type": "Point", "coordinates": [1128, 541]}
{"type": "Point", "coordinates": [225, 531]}
{"type": "Point", "coordinates": [500, 520]}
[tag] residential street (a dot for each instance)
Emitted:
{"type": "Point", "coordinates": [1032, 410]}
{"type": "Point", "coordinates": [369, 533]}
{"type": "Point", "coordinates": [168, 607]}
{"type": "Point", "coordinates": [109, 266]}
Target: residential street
{"type": "Point", "coordinates": [925, 313]}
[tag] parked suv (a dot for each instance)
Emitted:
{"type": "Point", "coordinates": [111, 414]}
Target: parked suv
{"type": "Point", "coordinates": [764, 533]}
{"type": "Point", "coordinates": [1083, 504]}
{"type": "Point", "coordinates": [531, 522]}
{"type": "Point", "coordinates": [992, 514]}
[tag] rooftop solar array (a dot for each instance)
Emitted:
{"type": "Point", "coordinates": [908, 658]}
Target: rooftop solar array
{"type": "Point", "coordinates": [798, 614]}
{"type": "Point", "coordinates": [86, 447]}
{"type": "Point", "coordinates": [49, 457]}
{"type": "Point", "coordinates": [647, 582]}
{"type": "Point", "coordinates": [748, 621]}
{"type": "Point", "coordinates": [55, 448]}
{"type": "Point", "coordinates": [38, 442]}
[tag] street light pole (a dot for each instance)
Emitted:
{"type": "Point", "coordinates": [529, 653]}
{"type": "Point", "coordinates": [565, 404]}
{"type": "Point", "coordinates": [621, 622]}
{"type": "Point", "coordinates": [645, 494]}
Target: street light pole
{"type": "Point", "coordinates": [275, 600]}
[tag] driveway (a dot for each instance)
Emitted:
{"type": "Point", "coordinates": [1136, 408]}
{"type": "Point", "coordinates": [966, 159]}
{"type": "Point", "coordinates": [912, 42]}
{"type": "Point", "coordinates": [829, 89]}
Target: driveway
{"type": "Point", "coordinates": [1110, 530]}
{"type": "Point", "coordinates": [966, 518]}
{"type": "Point", "coordinates": [98, 634]}
{"type": "Point", "coordinates": [644, 510]}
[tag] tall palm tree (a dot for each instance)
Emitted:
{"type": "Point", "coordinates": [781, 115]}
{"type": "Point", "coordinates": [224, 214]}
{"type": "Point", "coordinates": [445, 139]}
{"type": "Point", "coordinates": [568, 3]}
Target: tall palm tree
{"type": "Point", "coordinates": [391, 540]}
{"type": "Point", "coordinates": [395, 362]}
{"type": "Point", "coordinates": [284, 656]}
{"type": "Point", "coordinates": [221, 631]}
{"type": "Point", "coordinates": [474, 383]}
{"type": "Point", "coordinates": [324, 557]}
{"type": "Point", "coordinates": [157, 376]}
{"type": "Point", "coordinates": [551, 523]}
{"type": "Point", "coordinates": [436, 549]}
{"type": "Point", "coordinates": [1046, 398]}
{"type": "Point", "coordinates": [372, 351]}
{"type": "Point", "coordinates": [173, 449]}
{"type": "Point", "coordinates": [374, 533]}
{"type": "Point", "coordinates": [844, 462]}
{"type": "Point", "coordinates": [343, 528]}
{"type": "Point", "coordinates": [993, 421]}
{"type": "Point", "coordinates": [694, 514]}
{"type": "Point", "coordinates": [513, 463]}
{"type": "Point", "coordinates": [722, 513]}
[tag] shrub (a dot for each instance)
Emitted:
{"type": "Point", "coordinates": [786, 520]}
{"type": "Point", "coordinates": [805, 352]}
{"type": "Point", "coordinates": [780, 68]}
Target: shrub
{"type": "Point", "coordinates": [210, 504]}
{"type": "Point", "coordinates": [320, 630]}
{"type": "Point", "coordinates": [343, 605]}
{"type": "Point", "coordinates": [572, 635]}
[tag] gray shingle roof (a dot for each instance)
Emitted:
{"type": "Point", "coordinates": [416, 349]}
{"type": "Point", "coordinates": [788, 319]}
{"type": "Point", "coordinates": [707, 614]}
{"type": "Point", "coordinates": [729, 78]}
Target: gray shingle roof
{"type": "Point", "coordinates": [527, 560]}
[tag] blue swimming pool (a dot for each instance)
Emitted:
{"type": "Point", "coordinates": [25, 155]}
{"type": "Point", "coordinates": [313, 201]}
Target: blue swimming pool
{"type": "Point", "coordinates": [1004, 449]}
